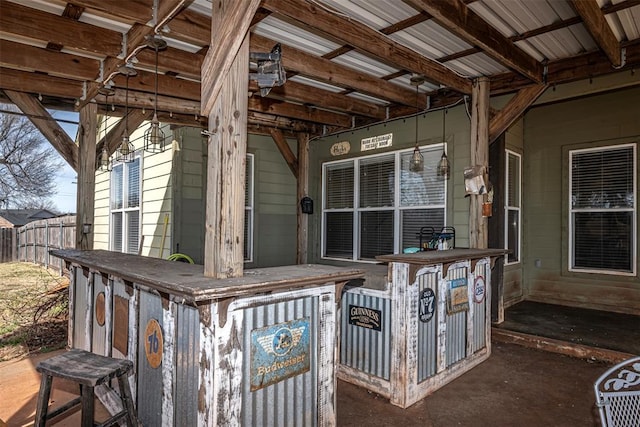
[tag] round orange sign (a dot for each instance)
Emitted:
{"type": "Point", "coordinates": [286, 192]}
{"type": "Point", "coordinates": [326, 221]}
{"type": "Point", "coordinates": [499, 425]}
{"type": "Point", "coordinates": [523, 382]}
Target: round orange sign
{"type": "Point", "coordinates": [99, 308]}
{"type": "Point", "coordinates": [153, 343]}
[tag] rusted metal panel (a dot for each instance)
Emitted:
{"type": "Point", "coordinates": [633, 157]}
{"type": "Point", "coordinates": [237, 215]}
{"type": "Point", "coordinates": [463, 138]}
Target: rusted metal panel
{"type": "Point", "coordinates": [290, 401]}
{"type": "Point", "coordinates": [456, 322]}
{"type": "Point", "coordinates": [98, 316]}
{"type": "Point", "coordinates": [427, 324]}
{"type": "Point", "coordinates": [366, 348]}
{"type": "Point", "coordinates": [149, 374]}
{"type": "Point", "coordinates": [81, 304]}
{"type": "Point", "coordinates": [481, 279]}
{"type": "Point", "coordinates": [186, 365]}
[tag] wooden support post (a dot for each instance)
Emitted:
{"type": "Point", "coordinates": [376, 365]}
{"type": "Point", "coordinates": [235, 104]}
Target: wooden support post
{"type": "Point", "coordinates": [478, 232]}
{"type": "Point", "coordinates": [223, 251]}
{"type": "Point", "coordinates": [86, 176]}
{"type": "Point", "coordinates": [302, 191]}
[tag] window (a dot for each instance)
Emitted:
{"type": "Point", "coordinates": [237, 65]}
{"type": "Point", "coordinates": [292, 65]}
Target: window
{"type": "Point", "coordinates": [125, 207]}
{"type": "Point", "coordinates": [603, 209]}
{"type": "Point", "coordinates": [248, 210]}
{"type": "Point", "coordinates": [375, 205]}
{"type": "Point", "coordinates": [513, 187]}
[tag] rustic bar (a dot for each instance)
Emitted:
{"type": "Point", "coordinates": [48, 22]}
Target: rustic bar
{"type": "Point", "coordinates": [425, 325]}
{"type": "Point", "coordinates": [251, 350]}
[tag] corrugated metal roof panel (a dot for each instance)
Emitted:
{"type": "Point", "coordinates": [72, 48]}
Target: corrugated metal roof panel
{"type": "Point", "coordinates": [624, 23]}
{"type": "Point", "coordinates": [367, 98]}
{"type": "Point", "coordinates": [315, 83]}
{"type": "Point", "coordinates": [376, 14]}
{"type": "Point", "coordinates": [405, 81]}
{"type": "Point", "coordinates": [288, 34]}
{"type": "Point", "coordinates": [365, 64]}
{"type": "Point", "coordinates": [559, 44]}
{"type": "Point", "coordinates": [430, 39]}
{"type": "Point", "coordinates": [476, 65]}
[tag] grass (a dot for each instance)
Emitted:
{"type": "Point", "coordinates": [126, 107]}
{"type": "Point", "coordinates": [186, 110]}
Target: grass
{"type": "Point", "coordinates": [33, 310]}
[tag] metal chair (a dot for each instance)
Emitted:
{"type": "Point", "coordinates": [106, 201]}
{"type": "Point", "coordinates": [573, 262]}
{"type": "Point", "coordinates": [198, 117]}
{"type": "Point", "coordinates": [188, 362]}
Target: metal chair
{"type": "Point", "coordinates": [618, 394]}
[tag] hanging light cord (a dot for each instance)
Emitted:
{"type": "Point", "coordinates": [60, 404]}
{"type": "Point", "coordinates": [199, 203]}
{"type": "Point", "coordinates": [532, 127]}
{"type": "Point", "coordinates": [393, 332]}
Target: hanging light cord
{"type": "Point", "coordinates": [155, 107]}
{"type": "Point", "coordinates": [417, 113]}
{"type": "Point", "coordinates": [126, 108]}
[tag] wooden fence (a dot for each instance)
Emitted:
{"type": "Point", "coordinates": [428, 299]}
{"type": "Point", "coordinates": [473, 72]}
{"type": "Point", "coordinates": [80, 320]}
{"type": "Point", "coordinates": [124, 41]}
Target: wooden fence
{"type": "Point", "coordinates": [34, 240]}
{"type": "Point", "coordinates": [8, 247]}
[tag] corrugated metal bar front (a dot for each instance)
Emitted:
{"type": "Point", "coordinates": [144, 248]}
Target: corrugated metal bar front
{"type": "Point", "coordinates": [290, 402]}
{"type": "Point", "coordinates": [187, 368]}
{"type": "Point", "coordinates": [362, 348]}
{"type": "Point", "coordinates": [428, 326]}
{"type": "Point", "coordinates": [81, 303]}
{"type": "Point", "coordinates": [99, 330]}
{"type": "Point", "coordinates": [149, 378]}
{"type": "Point", "coordinates": [481, 282]}
{"type": "Point", "coordinates": [456, 322]}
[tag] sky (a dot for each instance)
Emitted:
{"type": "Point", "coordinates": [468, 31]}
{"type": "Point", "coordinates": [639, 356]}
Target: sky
{"type": "Point", "coordinates": [65, 199]}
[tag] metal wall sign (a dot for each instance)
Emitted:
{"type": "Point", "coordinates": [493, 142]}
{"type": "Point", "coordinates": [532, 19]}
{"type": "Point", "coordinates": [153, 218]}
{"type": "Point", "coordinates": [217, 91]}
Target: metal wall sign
{"type": "Point", "coordinates": [458, 297]}
{"type": "Point", "coordinates": [375, 142]}
{"type": "Point", "coordinates": [153, 343]}
{"type": "Point", "coordinates": [365, 317]}
{"type": "Point", "coordinates": [279, 352]}
{"type": "Point", "coordinates": [340, 148]}
{"type": "Point", "coordinates": [426, 305]}
{"type": "Point", "coordinates": [479, 290]}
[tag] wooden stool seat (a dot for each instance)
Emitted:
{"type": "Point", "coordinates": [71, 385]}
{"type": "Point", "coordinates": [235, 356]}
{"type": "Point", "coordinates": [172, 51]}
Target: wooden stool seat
{"type": "Point", "coordinates": [88, 370]}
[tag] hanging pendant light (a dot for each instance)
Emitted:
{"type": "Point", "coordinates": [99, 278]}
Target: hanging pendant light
{"type": "Point", "coordinates": [154, 139]}
{"type": "Point", "coordinates": [126, 152]}
{"type": "Point", "coordinates": [416, 164]}
{"type": "Point", "coordinates": [105, 161]}
{"type": "Point", "coordinates": [444, 168]}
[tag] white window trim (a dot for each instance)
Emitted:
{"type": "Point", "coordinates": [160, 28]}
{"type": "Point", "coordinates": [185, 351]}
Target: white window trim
{"type": "Point", "coordinates": [125, 210]}
{"type": "Point", "coordinates": [508, 208]}
{"type": "Point", "coordinates": [356, 210]}
{"type": "Point", "coordinates": [634, 221]}
{"type": "Point", "coordinates": [249, 210]}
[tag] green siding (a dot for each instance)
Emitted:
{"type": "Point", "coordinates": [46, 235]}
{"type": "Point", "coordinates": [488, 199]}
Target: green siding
{"type": "Point", "coordinates": [549, 132]}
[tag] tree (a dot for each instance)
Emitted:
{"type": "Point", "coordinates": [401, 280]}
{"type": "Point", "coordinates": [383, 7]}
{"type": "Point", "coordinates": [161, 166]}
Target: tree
{"type": "Point", "coordinates": [28, 164]}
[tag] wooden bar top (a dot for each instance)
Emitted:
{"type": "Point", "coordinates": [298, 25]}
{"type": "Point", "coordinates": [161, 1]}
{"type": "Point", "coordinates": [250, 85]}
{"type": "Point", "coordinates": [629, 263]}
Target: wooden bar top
{"type": "Point", "coordinates": [187, 281]}
{"type": "Point", "coordinates": [442, 257]}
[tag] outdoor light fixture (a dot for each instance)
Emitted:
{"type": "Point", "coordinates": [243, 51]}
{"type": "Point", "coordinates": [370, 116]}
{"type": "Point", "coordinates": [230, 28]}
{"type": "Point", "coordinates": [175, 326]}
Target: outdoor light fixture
{"type": "Point", "coordinates": [126, 152]}
{"type": "Point", "coordinates": [154, 137]}
{"type": "Point", "coordinates": [416, 164]}
{"type": "Point", "coordinates": [105, 162]}
{"type": "Point", "coordinates": [444, 168]}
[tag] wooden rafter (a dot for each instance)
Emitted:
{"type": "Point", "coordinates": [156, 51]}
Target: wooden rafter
{"type": "Point", "coordinates": [285, 150]}
{"type": "Point", "coordinates": [368, 40]}
{"type": "Point", "coordinates": [599, 29]}
{"type": "Point", "coordinates": [47, 125]}
{"type": "Point", "coordinates": [298, 112]}
{"type": "Point", "coordinates": [514, 109]}
{"type": "Point", "coordinates": [455, 16]}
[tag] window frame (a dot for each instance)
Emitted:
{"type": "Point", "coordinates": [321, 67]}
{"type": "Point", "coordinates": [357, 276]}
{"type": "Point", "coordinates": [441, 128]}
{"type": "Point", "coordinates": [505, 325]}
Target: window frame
{"type": "Point", "coordinates": [508, 208]}
{"type": "Point", "coordinates": [249, 210]}
{"type": "Point", "coordinates": [356, 210]}
{"type": "Point", "coordinates": [633, 209]}
{"type": "Point", "coordinates": [124, 210]}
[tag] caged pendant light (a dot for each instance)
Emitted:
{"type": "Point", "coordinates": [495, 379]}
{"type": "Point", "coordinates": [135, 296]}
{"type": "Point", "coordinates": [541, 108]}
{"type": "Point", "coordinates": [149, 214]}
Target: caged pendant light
{"type": "Point", "coordinates": [416, 164]}
{"type": "Point", "coordinates": [444, 168]}
{"type": "Point", "coordinates": [154, 139]}
{"type": "Point", "coordinates": [126, 152]}
{"type": "Point", "coordinates": [105, 161]}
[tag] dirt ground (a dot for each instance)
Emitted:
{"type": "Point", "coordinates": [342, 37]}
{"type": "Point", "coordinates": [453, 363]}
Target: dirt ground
{"type": "Point", "coordinates": [517, 386]}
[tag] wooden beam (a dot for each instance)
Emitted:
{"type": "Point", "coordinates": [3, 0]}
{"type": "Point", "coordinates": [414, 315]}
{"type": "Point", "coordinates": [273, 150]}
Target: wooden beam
{"type": "Point", "coordinates": [39, 25]}
{"type": "Point", "coordinates": [285, 150]}
{"type": "Point", "coordinates": [330, 72]}
{"type": "Point", "coordinates": [25, 57]}
{"type": "Point", "coordinates": [478, 226]}
{"type": "Point", "coordinates": [456, 17]}
{"type": "Point", "coordinates": [599, 29]}
{"type": "Point", "coordinates": [368, 40]}
{"type": "Point", "coordinates": [168, 86]}
{"type": "Point", "coordinates": [302, 190]}
{"type": "Point", "coordinates": [229, 26]}
{"type": "Point", "coordinates": [299, 112]}
{"type": "Point", "coordinates": [85, 196]}
{"type": "Point", "coordinates": [47, 125]}
{"type": "Point", "coordinates": [514, 109]}
{"type": "Point", "coordinates": [24, 81]}
{"type": "Point", "coordinates": [146, 100]}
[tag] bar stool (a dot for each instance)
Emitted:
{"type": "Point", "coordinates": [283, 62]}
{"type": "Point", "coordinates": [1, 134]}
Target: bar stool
{"type": "Point", "coordinates": [88, 370]}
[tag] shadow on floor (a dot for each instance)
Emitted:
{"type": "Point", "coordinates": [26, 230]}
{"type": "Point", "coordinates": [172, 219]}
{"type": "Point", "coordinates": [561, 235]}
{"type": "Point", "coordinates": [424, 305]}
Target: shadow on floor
{"type": "Point", "coordinates": [602, 329]}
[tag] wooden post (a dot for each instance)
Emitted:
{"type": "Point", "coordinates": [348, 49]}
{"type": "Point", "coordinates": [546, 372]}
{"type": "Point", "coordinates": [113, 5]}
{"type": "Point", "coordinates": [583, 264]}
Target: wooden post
{"type": "Point", "coordinates": [302, 191]}
{"type": "Point", "coordinates": [86, 176]}
{"type": "Point", "coordinates": [479, 156]}
{"type": "Point", "coordinates": [223, 251]}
